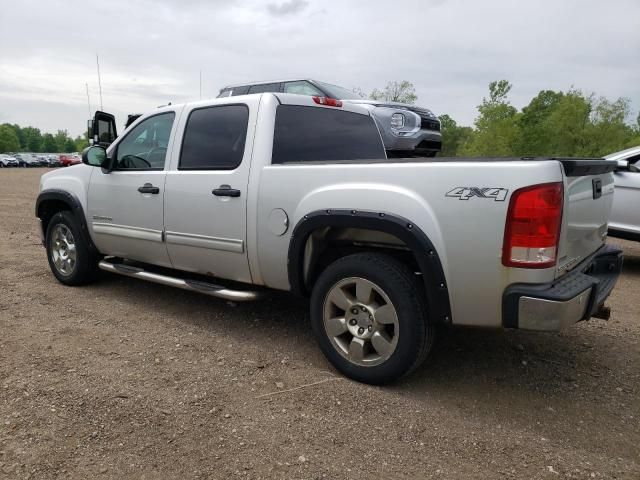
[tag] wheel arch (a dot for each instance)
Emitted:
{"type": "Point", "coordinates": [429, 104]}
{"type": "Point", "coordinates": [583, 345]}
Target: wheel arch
{"type": "Point", "coordinates": [410, 235]}
{"type": "Point", "coordinates": [52, 201]}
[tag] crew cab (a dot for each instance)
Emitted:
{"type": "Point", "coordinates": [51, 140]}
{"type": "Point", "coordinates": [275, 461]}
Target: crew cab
{"type": "Point", "coordinates": [236, 196]}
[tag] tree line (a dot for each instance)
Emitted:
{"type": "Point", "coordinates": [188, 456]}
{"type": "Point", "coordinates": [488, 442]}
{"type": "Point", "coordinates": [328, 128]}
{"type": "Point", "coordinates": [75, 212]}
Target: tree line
{"type": "Point", "coordinates": [554, 123]}
{"type": "Point", "coordinates": [14, 138]}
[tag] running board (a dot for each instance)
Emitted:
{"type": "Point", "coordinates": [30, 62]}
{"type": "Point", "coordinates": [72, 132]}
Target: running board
{"type": "Point", "coordinates": [191, 285]}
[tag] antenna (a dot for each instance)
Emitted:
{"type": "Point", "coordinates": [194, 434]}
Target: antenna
{"type": "Point", "coordinates": [99, 82]}
{"type": "Point", "coordinates": [200, 84]}
{"type": "Point", "coordinates": [88, 99]}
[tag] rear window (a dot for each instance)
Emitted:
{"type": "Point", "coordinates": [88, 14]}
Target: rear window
{"type": "Point", "coordinates": [214, 138]}
{"type": "Point", "coordinates": [311, 134]}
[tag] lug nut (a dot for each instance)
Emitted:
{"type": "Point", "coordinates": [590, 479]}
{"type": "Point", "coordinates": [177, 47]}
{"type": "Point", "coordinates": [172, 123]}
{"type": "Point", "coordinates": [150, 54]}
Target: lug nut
{"type": "Point", "coordinates": [360, 331]}
{"type": "Point", "coordinates": [353, 321]}
{"type": "Point", "coordinates": [363, 309]}
{"type": "Point", "coordinates": [354, 311]}
{"type": "Point", "coordinates": [370, 327]}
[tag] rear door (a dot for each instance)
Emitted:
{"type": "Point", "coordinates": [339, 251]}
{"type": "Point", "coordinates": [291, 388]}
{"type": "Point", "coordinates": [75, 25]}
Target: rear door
{"type": "Point", "coordinates": [206, 190]}
{"type": "Point", "coordinates": [587, 207]}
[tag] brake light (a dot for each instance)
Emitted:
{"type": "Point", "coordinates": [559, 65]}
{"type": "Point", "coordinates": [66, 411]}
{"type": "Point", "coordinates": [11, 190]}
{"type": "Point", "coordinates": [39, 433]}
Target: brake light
{"type": "Point", "coordinates": [329, 102]}
{"type": "Point", "coordinates": [533, 226]}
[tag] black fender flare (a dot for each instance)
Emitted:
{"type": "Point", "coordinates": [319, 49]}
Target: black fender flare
{"type": "Point", "coordinates": [418, 242]}
{"type": "Point", "coordinates": [75, 207]}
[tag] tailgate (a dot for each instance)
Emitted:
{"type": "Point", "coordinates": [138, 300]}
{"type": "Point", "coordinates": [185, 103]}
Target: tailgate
{"type": "Point", "coordinates": [587, 205]}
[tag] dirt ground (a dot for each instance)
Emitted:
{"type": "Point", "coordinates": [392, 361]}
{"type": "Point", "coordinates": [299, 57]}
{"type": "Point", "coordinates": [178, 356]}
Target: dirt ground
{"type": "Point", "coordinates": [126, 379]}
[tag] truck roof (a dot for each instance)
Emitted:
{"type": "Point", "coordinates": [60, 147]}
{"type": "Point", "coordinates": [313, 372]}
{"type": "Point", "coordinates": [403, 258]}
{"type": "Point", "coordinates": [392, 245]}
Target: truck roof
{"type": "Point", "coordinates": [262, 82]}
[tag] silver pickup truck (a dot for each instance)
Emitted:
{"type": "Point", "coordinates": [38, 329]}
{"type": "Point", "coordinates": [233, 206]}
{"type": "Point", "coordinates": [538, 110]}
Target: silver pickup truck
{"type": "Point", "coordinates": [235, 196]}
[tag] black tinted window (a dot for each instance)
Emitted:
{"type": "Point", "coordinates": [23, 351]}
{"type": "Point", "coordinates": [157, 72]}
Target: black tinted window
{"type": "Point", "coordinates": [307, 134]}
{"type": "Point", "coordinates": [214, 138]}
{"type": "Point", "coordinates": [265, 87]}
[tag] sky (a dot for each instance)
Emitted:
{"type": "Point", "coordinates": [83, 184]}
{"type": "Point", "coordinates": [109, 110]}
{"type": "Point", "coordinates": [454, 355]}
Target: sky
{"type": "Point", "coordinates": [152, 51]}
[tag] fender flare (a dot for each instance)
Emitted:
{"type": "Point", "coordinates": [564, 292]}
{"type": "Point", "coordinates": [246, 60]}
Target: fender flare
{"type": "Point", "coordinates": [426, 256]}
{"type": "Point", "coordinates": [75, 207]}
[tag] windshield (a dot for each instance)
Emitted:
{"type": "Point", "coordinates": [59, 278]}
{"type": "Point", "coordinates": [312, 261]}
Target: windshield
{"type": "Point", "coordinates": [338, 92]}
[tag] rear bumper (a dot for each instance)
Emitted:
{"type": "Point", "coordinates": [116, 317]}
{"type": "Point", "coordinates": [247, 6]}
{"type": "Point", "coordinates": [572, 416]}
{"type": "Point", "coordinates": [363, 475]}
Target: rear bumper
{"type": "Point", "coordinates": [576, 296]}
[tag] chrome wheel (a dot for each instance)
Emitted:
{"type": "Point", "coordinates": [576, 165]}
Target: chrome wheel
{"type": "Point", "coordinates": [360, 321]}
{"type": "Point", "coordinates": [63, 249]}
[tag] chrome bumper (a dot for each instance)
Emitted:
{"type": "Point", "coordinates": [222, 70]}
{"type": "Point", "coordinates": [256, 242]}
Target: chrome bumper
{"type": "Point", "coordinates": [578, 295]}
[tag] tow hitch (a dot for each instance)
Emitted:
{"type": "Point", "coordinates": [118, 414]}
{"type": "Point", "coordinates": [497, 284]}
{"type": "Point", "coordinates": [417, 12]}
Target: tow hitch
{"type": "Point", "coordinates": [603, 312]}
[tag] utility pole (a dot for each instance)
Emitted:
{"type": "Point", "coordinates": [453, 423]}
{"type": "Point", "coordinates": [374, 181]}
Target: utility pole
{"type": "Point", "coordinates": [99, 82]}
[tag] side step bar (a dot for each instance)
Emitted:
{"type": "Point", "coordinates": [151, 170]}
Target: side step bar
{"type": "Point", "coordinates": [191, 285]}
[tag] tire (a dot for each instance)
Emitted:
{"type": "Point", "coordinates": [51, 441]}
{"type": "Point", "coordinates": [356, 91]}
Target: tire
{"type": "Point", "coordinates": [374, 337]}
{"type": "Point", "coordinates": [71, 266]}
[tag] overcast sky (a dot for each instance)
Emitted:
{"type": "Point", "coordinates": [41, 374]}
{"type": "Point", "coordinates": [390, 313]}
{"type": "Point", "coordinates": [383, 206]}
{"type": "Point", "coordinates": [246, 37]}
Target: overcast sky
{"type": "Point", "coordinates": [151, 52]}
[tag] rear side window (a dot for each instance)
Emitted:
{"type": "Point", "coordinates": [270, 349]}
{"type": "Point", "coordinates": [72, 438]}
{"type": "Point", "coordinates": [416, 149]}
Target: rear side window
{"type": "Point", "coordinates": [310, 134]}
{"type": "Point", "coordinates": [214, 138]}
{"type": "Point", "coordinates": [265, 87]}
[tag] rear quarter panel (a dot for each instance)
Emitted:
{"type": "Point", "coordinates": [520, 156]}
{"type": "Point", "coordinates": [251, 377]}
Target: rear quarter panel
{"type": "Point", "coordinates": [467, 234]}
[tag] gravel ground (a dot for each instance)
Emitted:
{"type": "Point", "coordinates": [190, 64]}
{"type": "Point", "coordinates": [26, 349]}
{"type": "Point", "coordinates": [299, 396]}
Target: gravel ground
{"type": "Point", "coordinates": [126, 379]}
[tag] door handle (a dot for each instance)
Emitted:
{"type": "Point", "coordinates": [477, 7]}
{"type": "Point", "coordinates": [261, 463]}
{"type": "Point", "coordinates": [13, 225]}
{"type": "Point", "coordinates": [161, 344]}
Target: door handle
{"type": "Point", "coordinates": [225, 191]}
{"type": "Point", "coordinates": [148, 188]}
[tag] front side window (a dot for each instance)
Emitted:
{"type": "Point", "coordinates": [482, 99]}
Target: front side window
{"type": "Point", "coordinates": [312, 134]}
{"type": "Point", "coordinates": [302, 88]}
{"type": "Point", "coordinates": [145, 147]}
{"type": "Point", "coordinates": [214, 138]}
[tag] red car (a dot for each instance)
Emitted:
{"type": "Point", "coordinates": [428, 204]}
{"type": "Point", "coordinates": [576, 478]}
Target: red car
{"type": "Point", "coordinates": [68, 159]}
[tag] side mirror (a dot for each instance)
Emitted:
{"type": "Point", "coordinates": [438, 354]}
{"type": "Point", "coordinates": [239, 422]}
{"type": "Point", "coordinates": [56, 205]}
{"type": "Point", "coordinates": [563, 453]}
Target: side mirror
{"type": "Point", "coordinates": [96, 156]}
{"type": "Point", "coordinates": [103, 129]}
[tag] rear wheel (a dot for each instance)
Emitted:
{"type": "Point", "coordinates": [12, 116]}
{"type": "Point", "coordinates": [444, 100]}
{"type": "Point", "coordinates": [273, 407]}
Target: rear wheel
{"type": "Point", "coordinates": [70, 258]}
{"type": "Point", "coordinates": [369, 316]}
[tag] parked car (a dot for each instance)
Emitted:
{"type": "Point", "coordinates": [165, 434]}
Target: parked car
{"type": "Point", "coordinates": [53, 159]}
{"type": "Point", "coordinates": [406, 129]}
{"type": "Point", "coordinates": [625, 214]}
{"type": "Point", "coordinates": [8, 161]}
{"type": "Point", "coordinates": [68, 159]}
{"type": "Point", "coordinates": [296, 193]}
{"type": "Point", "coordinates": [28, 160]}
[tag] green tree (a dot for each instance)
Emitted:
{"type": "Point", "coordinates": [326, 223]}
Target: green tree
{"type": "Point", "coordinates": [33, 139]}
{"type": "Point", "coordinates": [9, 141]}
{"type": "Point", "coordinates": [535, 130]}
{"type": "Point", "coordinates": [61, 140]}
{"type": "Point", "coordinates": [496, 125]}
{"type": "Point", "coordinates": [453, 136]}
{"type": "Point", "coordinates": [69, 145]}
{"type": "Point", "coordinates": [81, 143]}
{"type": "Point", "coordinates": [49, 144]}
{"type": "Point", "coordinates": [403, 92]}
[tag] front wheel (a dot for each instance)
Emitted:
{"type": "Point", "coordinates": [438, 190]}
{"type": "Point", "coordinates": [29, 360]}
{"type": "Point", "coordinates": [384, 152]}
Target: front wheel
{"type": "Point", "coordinates": [70, 258]}
{"type": "Point", "coordinates": [369, 316]}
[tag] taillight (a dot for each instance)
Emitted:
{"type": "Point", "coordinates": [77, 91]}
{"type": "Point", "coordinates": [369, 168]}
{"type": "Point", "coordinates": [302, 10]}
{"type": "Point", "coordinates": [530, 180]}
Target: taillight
{"type": "Point", "coordinates": [329, 102]}
{"type": "Point", "coordinates": [533, 226]}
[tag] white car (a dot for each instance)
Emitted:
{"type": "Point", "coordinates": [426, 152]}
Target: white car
{"type": "Point", "coordinates": [625, 219]}
{"type": "Point", "coordinates": [8, 161]}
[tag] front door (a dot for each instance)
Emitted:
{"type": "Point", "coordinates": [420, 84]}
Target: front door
{"type": "Point", "coordinates": [125, 206]}
{"type": "Point", "coordinates": [206, 191]}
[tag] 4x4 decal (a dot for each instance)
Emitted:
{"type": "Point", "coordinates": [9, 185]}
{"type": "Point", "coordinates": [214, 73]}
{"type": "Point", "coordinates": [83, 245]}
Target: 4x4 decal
{"type": "Point", "coordinates": [465, 193]}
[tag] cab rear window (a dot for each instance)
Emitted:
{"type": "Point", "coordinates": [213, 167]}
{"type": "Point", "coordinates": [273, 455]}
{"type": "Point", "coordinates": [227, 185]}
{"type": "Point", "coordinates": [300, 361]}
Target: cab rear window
{"type": "Point", "coordinates": [311, 134]}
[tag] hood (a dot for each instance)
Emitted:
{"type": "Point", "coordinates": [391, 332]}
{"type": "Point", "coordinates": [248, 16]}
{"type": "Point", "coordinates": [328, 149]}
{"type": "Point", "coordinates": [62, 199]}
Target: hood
{"type": "Point", "coordinates": [422, 111]}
